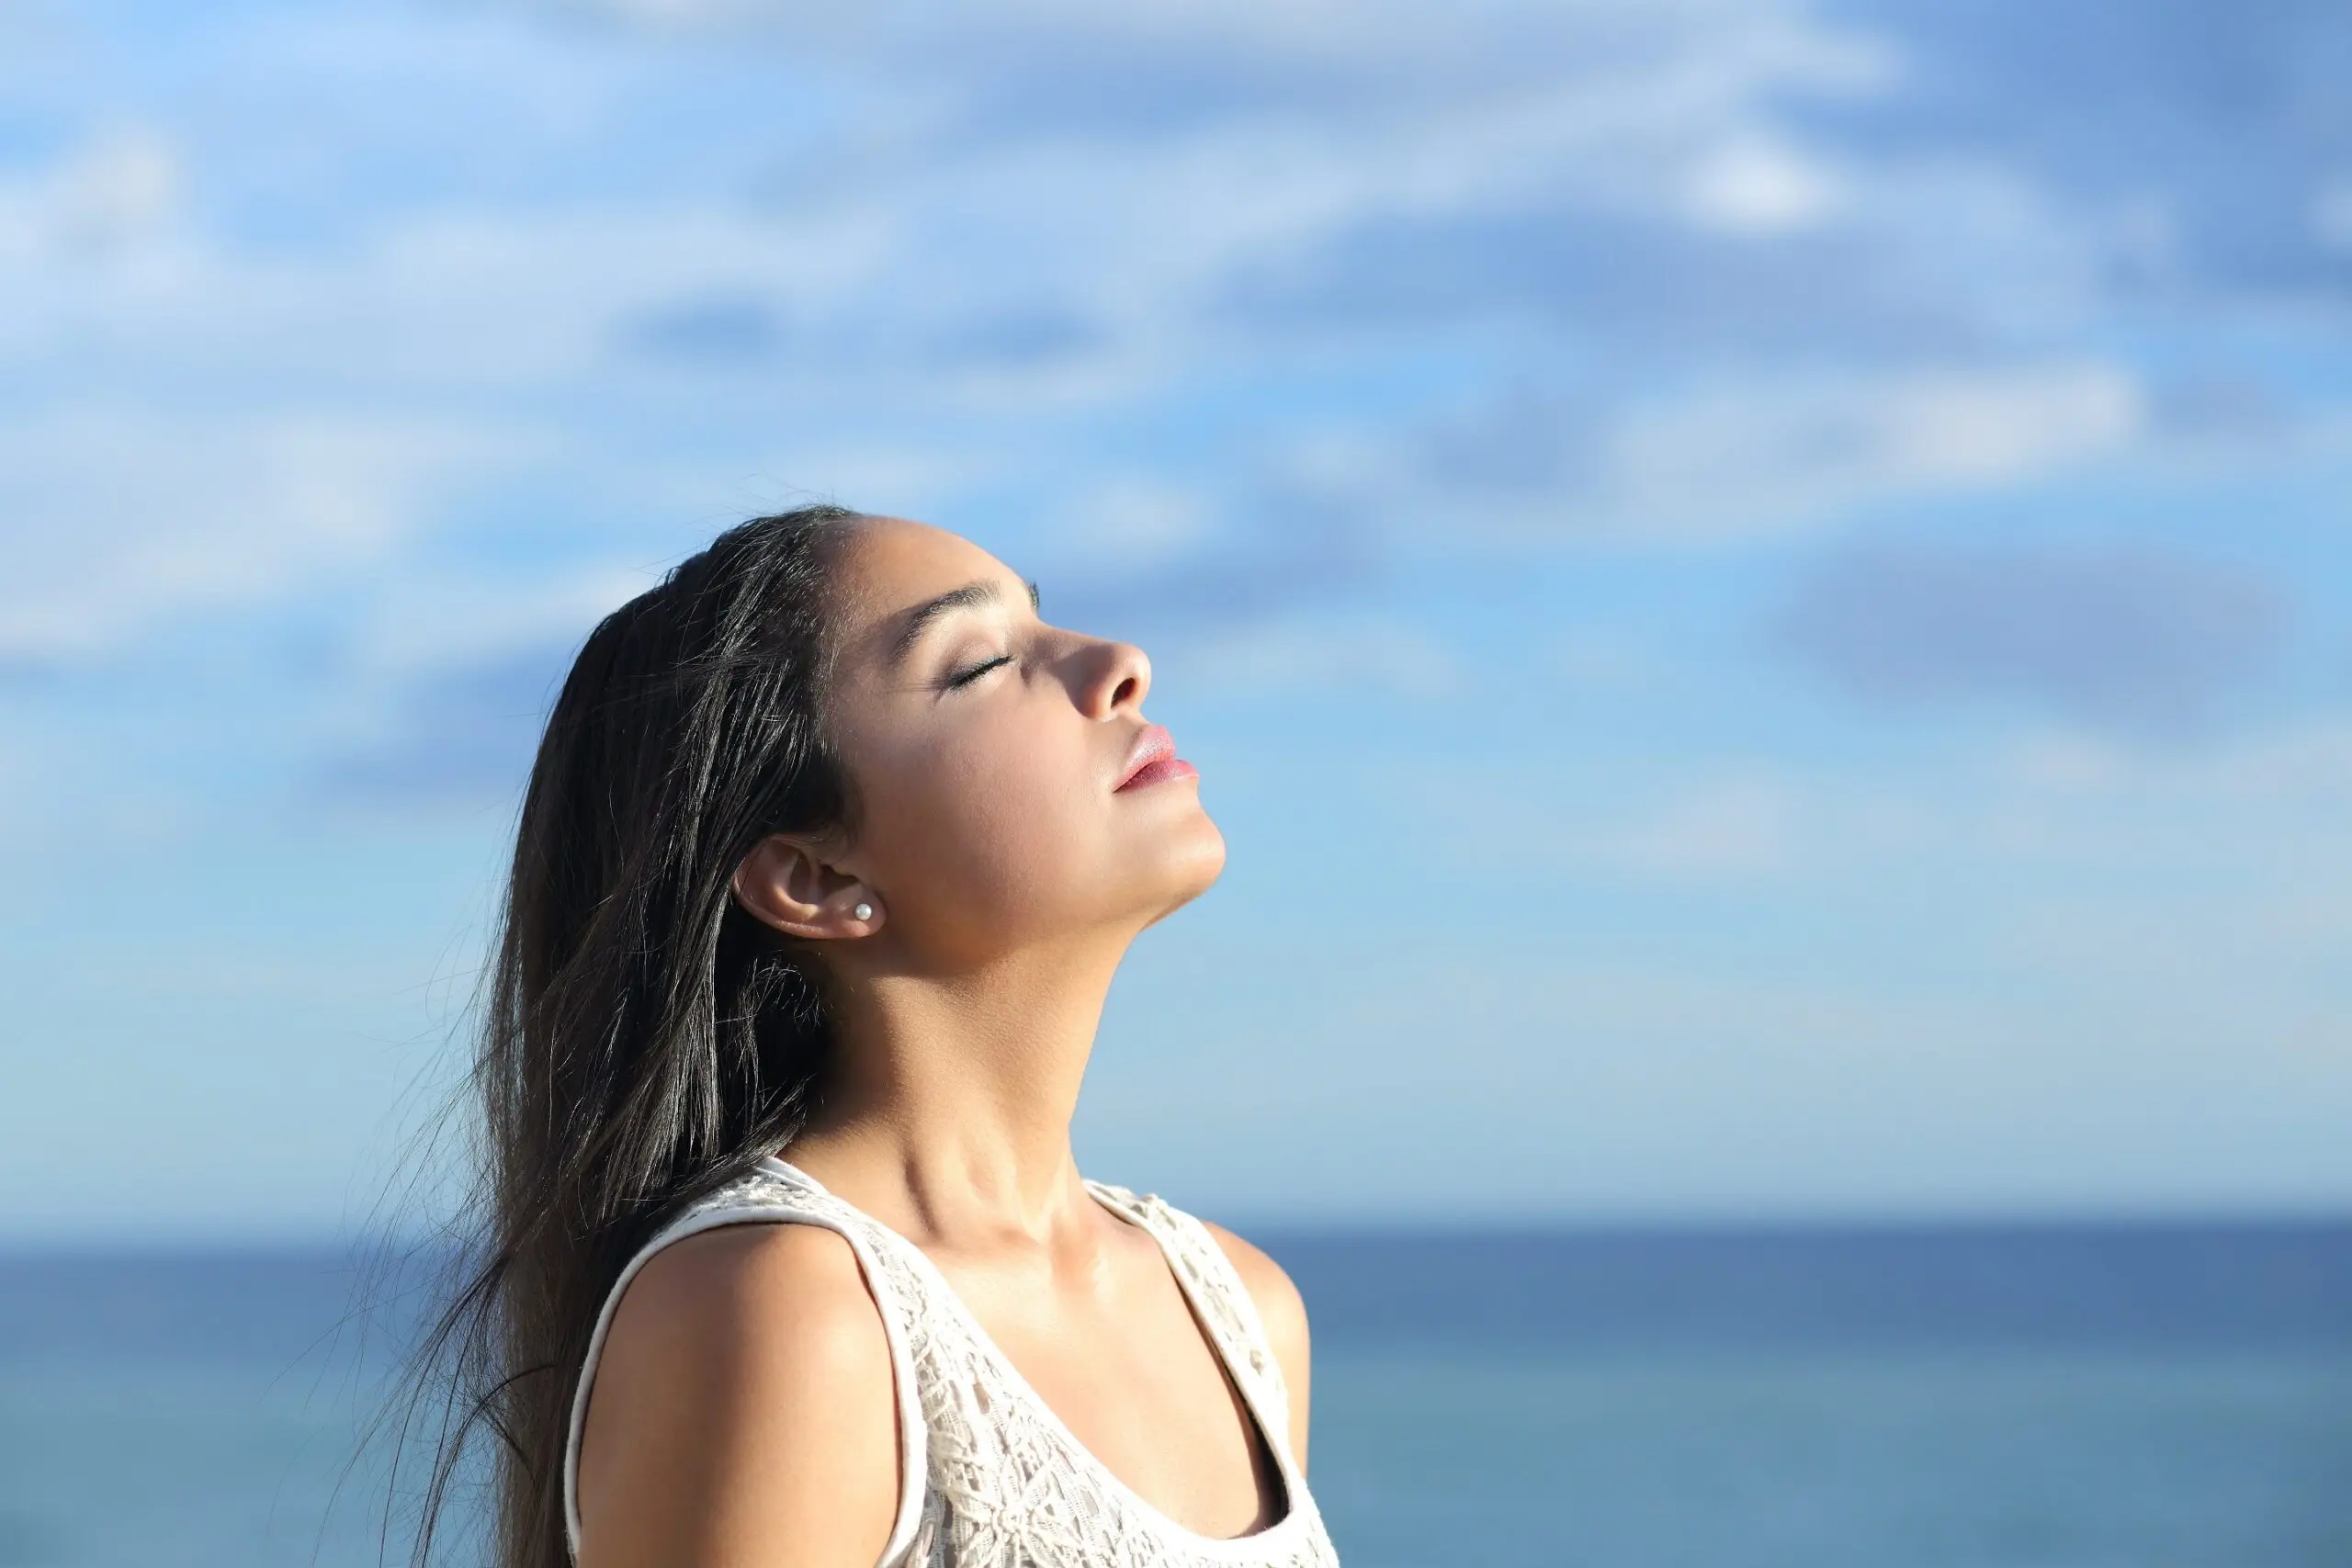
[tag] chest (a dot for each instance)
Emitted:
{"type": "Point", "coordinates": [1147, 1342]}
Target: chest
{"type": "Point", "coordinates": [1119, 1358]}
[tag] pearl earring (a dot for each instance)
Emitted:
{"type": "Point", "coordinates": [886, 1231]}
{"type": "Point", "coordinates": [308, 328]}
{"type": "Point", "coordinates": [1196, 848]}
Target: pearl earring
{"type": "Point", "coordinates": [864, 911]}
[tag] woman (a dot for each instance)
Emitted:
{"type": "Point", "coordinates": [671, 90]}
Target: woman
{"type": "Point", "coordinates": [829, 855]}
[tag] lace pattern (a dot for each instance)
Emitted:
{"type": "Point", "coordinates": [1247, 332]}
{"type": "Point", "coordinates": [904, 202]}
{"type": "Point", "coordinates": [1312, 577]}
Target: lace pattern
{"type": "Point", "coordinates": [996, 1479]}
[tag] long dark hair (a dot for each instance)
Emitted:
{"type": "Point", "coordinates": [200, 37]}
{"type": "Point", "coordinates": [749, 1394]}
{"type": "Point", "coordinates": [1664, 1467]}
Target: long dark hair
{"type": "Point", "coordinates": [643, 1039]}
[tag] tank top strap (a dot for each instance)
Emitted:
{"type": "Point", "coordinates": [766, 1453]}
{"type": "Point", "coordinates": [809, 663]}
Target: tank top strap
{"type": "Point", "coordinates": [778, 1194]}
{"type": "Point", "coordinates": [1218, 1292]}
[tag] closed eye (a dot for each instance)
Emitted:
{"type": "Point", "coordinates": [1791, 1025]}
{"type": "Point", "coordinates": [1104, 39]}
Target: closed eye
{"type": "Point", "coordinates": [966, 678]}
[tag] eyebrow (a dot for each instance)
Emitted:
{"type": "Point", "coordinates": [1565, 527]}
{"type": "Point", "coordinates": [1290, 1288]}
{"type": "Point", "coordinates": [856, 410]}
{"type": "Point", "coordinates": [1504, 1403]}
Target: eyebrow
{"type": "Point", "coordinates": [972, 595]}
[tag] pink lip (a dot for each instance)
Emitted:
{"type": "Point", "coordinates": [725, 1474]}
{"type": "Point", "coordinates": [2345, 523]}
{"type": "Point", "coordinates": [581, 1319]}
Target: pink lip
{"type": "Point", "coordinates": [1154, 761]}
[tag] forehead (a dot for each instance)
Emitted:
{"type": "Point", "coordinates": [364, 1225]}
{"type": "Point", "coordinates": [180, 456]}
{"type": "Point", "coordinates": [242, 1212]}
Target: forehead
{"type": "Point", "coordinates": [890, 563]}
{"type": "Point", "coordinates": [891, 567]}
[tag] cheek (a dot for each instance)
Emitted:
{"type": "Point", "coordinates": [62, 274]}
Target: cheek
{"type": "Point", "coordinates": [996, 825]}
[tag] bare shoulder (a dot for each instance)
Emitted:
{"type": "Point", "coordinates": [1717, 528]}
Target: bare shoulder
{"type": "Point", "coordinates": [1283, 1311]}
{"type": "Point", "coordinates": [1277, 1299]}
{"type": "Point", "coordinates": [743, 1409]}
{"type": "Point", "coordinates": [744, 1296]}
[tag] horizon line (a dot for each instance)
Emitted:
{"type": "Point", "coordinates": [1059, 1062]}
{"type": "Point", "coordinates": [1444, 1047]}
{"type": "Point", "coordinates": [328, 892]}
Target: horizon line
{"type": "Point", "coordinates": [223, 1245]}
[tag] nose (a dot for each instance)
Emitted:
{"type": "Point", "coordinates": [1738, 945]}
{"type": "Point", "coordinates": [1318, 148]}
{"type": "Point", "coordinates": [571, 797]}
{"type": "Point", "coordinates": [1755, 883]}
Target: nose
{"type": "Point", "coordinates": [1119, 675]}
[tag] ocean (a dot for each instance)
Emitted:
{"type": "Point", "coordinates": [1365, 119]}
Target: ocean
{"type": "Point", "coordinates": [2118, 1397]}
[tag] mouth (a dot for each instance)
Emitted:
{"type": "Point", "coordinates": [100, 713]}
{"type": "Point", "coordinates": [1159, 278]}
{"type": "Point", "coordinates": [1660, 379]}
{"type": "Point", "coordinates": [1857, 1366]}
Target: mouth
{"type": "Point", "coordinates": [1154, 761]}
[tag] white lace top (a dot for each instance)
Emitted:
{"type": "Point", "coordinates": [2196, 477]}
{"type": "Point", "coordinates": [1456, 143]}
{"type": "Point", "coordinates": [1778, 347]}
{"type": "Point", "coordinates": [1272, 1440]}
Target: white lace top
{"type": "Point", "coordinates": [990, 1475]}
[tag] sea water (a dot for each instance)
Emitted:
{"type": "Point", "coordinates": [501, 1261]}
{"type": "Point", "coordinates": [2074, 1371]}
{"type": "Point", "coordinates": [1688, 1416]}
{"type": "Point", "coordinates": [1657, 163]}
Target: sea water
{"type": "Point", "coordinates": [2083, 1398]}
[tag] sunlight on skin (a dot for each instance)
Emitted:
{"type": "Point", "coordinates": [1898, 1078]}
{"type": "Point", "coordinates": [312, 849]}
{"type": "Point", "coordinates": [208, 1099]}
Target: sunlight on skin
{"type": "Point", "coordinates": [1018, 821]}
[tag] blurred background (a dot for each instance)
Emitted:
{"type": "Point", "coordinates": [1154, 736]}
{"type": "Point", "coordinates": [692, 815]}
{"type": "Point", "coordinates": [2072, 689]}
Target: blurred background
{"type": "Point", "coordinates": [1762, 591]}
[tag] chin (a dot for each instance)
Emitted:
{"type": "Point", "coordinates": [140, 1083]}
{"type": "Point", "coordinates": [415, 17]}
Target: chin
{"type": "Point", "coordinates": [1194, 865]}
{"type": "Point", "coordinates": [1172, 865]}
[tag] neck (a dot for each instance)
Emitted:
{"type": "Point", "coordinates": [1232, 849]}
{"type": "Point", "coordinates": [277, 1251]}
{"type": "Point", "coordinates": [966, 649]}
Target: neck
{"type": "Point", "coordinates": [946, 1111]}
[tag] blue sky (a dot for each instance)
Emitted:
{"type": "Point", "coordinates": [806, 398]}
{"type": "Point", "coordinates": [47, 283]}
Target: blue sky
{"type": "Point", "coordinates": [1763, 591]}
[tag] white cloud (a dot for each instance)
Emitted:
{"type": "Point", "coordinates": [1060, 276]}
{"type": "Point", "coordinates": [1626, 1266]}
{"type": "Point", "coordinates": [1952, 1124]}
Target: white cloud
{"type": "Point", "coordinates": [1754, 184]}
{"type": "Point", "coordinates": [1770, 458]}
{"type": "Point", "coordinates": [1478, 37]}
{"type": "Point", "coordinates": [919, 238]}
{"type": "Point", "coordinates": [2331, 214]}
{"type": "Point", "coordinates": [122, 184]}
{"type": "Point", "coordinates": [1127, 524]}
{"type": "Point", "coordinates": [426, 622]}
{"type": "Point", "coordinates": [1743, 459]}
{"type": "Point", "coordinates": [1732, 821]}
{"type": "Point", "coordinates": [2308, 763]}
{"type": "Point", "coordinates": [2253, 824]}
{"type": "Point", "coordinates": [109, 193]}
{"type": "Point", "coordinates": [119, 520]}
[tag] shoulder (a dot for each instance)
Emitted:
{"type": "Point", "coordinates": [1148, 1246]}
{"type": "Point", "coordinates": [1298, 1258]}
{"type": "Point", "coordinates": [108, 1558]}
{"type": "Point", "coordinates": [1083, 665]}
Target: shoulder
{"type": "Point", "coordinates": [743, 1398]}
{"type": "Point", "coordinates": [1283, 1311]}
{"type": "Point", "coordinates": [1279, 1304]}
{"type": "Point", "coordinates": [763, 1292]}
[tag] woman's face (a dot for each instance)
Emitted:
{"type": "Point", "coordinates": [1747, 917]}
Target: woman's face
{"type": "Point", "coordinates": [995, 758]}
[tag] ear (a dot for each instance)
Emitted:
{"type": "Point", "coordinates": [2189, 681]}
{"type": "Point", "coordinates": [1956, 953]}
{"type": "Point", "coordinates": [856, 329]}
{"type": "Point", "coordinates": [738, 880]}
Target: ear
{"type": "Point", "coordinates": [786, 884]}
